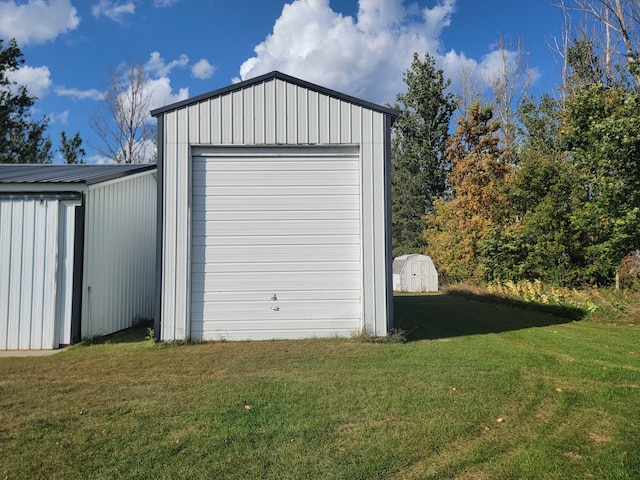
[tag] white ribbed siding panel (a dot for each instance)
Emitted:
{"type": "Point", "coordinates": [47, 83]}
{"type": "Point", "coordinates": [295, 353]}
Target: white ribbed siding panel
{"type": "Point", "coordinates": [119, 254]}
{"type": "Point", "coordinates": [274, 112]}
{"type": "Point", "coordinates": [28, 273]}
{"type": "Point", "coordinates": [275, 243]}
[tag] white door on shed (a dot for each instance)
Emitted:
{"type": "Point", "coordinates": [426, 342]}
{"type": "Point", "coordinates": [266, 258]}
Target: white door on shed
{"type": "Point", "coordinates": [33, 239]}
{"type": "Point", "coordinates": [275, 243]}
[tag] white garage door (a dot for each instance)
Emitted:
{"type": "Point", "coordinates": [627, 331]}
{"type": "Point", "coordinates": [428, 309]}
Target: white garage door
{"type": "Point", "coordinates": [275, 243]}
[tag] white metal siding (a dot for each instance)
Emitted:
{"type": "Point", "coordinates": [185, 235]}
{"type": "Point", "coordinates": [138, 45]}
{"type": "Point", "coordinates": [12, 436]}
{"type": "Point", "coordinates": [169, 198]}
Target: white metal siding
{"type": "Point", "coordinates": [274, 112]}
{"type": "Point", "coordinates": [28, 269]}
{"type": "Point", "coordinates": [119, 256]}
{"type": "Point", "coordinates": [276, 243]}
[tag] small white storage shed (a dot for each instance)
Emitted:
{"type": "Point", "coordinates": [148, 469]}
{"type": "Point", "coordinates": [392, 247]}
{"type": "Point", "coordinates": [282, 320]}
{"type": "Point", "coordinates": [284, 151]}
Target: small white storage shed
{"type": "Point", "coordinates": [414, 273]}
{"type": "Point", "coordinates": [275, 208]}
{"type": "Point", "coordinates": [77, 252]}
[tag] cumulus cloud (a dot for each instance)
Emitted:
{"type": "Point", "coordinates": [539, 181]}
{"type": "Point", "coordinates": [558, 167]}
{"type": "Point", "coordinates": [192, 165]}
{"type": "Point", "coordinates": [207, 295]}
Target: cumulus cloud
{"type": "Point", "coordinates": [62, 118]}
{"type": "Point", "coordinates": [161, 92]}
{"type": "Point", "coordinates": [36, 79]}
{"type": "Point", "coordinates": [156, 65]}
{"type": "Point", "coordinates": [37, 21]}
{"type": "Point", "coordinates": [77, 94]}
{"type": "Point", "coordinates": [203, 69]}
{"type": "Point", "coordinates": [364, 56]}
{"type": "Point", "coordinates": [114, 10]}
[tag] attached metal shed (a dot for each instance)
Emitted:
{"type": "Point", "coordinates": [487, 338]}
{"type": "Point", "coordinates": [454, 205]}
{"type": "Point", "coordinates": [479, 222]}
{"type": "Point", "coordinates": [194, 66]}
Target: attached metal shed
{"type": "Point", "coordinates": [77, 252]}
{"type": "Point", "coordinates": [414, 273]}
{"type": "Point", "coordinates": [274, 213]}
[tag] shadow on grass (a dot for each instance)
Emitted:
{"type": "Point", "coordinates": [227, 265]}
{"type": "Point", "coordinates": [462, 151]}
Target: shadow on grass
{"type": "Point", "coordinates": [428, 317]}
{"type": "Point", "coordinates": [135, 334]}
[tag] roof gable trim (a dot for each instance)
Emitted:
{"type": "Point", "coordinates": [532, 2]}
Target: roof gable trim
{"type": "Point", "coordinates": [275, 75]}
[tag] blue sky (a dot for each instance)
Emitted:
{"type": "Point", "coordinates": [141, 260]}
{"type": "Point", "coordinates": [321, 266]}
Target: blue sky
{"type": "Point", "coordinates": [195, 46]}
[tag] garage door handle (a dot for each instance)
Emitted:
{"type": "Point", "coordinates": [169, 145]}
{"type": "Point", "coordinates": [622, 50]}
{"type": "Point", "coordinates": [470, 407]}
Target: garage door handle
{"type": "Point", "coordinates": [275, 309]}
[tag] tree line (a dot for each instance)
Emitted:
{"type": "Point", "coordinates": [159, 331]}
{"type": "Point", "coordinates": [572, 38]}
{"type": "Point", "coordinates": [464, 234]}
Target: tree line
{"type": "Point", "coordinates": [525, 188]}
{"type": "Point", "coordinates": [123, 125]}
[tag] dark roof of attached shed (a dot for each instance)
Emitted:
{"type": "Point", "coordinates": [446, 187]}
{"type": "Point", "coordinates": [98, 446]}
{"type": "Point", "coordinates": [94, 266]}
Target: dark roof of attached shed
{"type": "Point", "coordinates": [279, 76]}
{"type": "Point", "coordinates": [86, 174]}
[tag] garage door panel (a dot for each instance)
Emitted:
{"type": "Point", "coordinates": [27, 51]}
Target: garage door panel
{"type": "Point", "coordinates": [278, 253]}
{"type": "Point", "coordinates": [272, 267]}
{"type": "Point", "coordinates": [212, 166]}
{"type": "Point", "coordinates": [282, 190]}
{"type": "Point", "coordinates": [280, 311]}
{"type": "Point", "coordinates": [270, 332]}
{"type": "Point", "coordinates": [198, 216]}
{"type": "Point", "coordinates": [212, 240]}
{"type": "Point", "coordinates": [281, 227]}
{"type": "Point", "coordinates": [253, 280]}
{"type": "Point", "coordinates": [292, 295]}
{"type": "Point", "coordinates": [278, 179]}
{"type": "Point", "coordinates": [277, 203]}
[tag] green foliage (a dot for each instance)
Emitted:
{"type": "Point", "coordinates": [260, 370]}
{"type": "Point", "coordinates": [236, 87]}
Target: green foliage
{"type": "Point", "coordinates": [601, 133]}
{"type": "Point", "coordinates": [419, 167]}
{"type": "Point", "coordinates": [22, 140]}
{"type": "Point", "coordinates": [71, 149]}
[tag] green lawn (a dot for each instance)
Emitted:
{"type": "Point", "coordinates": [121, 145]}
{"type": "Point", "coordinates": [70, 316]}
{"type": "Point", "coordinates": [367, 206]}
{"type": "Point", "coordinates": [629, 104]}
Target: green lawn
{"type": "Point", "coordinates": [479, 392]}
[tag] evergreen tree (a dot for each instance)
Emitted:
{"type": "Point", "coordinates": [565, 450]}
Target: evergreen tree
{"type": "Point", "coordinates": [419, 168]}
{"type": "Point", "coordinates": [71, 149]}
{"type": "Point", "coordinates": [22, 140]}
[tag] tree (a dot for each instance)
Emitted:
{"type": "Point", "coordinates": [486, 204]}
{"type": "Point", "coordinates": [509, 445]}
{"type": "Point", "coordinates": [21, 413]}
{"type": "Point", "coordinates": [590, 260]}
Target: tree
{"type": "Point", "coordinates": [71, 149]}
{"type": "Point", "coordinates": [601, 133]}
{"type": "Point", "coordinates": [457, 228]}
{"type": "Point", "coordinates": [125, 130]}
{"type": "Point", "coordinates": [419, 167]}
{"type": "Point", "coordinates": [509, 82]}
{"type": "Point", "coordinates": [22, 140]}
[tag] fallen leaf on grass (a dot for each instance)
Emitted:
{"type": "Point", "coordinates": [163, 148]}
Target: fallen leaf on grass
{"type": "Point", "coordinates": [342, 449]}
{"type": "Point", "coordinates": [558, 389]}
{"type": "Point", "coordinates": [500, 420]}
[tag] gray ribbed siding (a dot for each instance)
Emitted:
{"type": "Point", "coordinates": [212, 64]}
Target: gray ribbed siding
{"type": "Point", "coordinates": [273, 112]}
{"type": "Point", "coordinates": [119, 257]}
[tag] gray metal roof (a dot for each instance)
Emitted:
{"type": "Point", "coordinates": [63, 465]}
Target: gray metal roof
{"type": "Point", "coordinates": [83, 174]}
{"type": "Point", "coordinates": [280, 76]}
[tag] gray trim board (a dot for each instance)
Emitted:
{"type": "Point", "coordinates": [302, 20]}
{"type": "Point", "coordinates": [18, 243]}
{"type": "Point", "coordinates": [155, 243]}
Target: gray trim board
{"type": "Point", "coordinates": [157, 317]}
{"type": "Point", "coordinates": [388, 122]}
{"type": "Point", "coordinates": [78, 272]}
{"type": "Point", "coordinates": [277, 76]}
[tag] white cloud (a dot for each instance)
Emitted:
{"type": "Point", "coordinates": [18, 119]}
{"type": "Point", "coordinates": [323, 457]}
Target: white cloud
{"type": "Point", "coordinates": [37, 21]}
{"type": "Point", "coordinates": [162, 94]}
{"type": "Point", "coordinates": [77, 94]}
{"type": "Point", "coordinates": [365, 56]}
{"type": "Point", "coordinates": [62, 118]}
{"type": "Point", "coordinates": [114, 10]}
{"type": "Point", "coordinates": [203, 69]}
{"type": "Point", "coordinates": [164, 3]}
{"type": "Point", "coordinates": [156, 65]}
{"type": "Point", "coordinates": [36, 79]}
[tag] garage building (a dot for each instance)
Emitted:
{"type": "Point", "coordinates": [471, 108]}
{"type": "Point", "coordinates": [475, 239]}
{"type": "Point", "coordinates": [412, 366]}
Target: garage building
{"type": "Point", "coordinates": [274, 211]}
{"type": "Point", "coordinates": [77, 252]}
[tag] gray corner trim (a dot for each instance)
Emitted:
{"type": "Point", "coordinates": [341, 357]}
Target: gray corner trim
{"type": "Point", "coordinates": [279, 76]}
{"type": "Point", "coordinates": [157, 317]}
{"type": "Point", "coordinates": [78, 272]}
{"type": "Point", "coordinates": [388, 122]}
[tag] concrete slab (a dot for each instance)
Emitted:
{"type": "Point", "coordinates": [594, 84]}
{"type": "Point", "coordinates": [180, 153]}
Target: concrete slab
{"type": "Point", "coordinates": [30, 353]}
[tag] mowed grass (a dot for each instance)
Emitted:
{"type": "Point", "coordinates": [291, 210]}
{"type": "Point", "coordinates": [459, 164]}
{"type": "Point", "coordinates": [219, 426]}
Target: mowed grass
{"type": "Point", "coordinates": [478, 392]}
